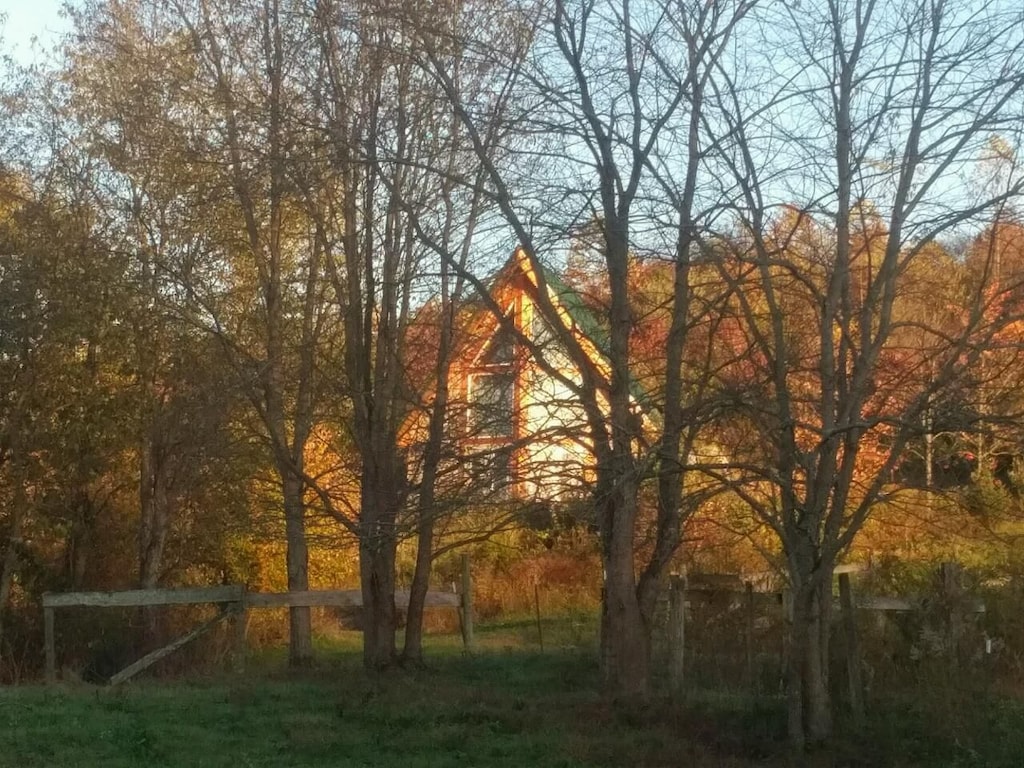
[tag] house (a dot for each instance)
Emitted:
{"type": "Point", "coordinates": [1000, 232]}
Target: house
{"type": "Point", "coordinates": [521, 431]}
{"type": "Point", "coordinates": [516, 428]}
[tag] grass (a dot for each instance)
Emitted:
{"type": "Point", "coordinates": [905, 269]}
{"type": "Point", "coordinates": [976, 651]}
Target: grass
{"type": "Point", "coordinates": [502, 707]}
{"type": "Point", "coordinates": [491, 710]}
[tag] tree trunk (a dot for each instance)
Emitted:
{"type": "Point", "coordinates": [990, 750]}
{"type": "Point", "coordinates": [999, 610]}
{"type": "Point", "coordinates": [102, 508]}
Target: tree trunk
{"type": "Point", "coordinates": [300, 645]}
{"type": "Point", "coordinates": [412, 650]}
{"type": "Point", "coordinates": [381, 499]}
{"type": "Point", "coordinates": [625, 641]}
{"type": "Point", "coordinates": [625, 644]}
{"type": "Point", "coordinates": [153, 521]}
{"type": "Point", "coordinates": [377, 576]}
{"type": "Point", "coordinates": [10, 559]}
{"type": "Point", "coordinates": [817, 702]}
{"type": "Point", "coordinates": [809, 701]}
{"type": "Point", "coordinates": [78, 541]}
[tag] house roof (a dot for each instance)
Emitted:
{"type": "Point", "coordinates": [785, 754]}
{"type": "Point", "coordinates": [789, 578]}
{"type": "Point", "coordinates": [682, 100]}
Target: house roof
{"type": "Point", "coordinates": [570, 301]}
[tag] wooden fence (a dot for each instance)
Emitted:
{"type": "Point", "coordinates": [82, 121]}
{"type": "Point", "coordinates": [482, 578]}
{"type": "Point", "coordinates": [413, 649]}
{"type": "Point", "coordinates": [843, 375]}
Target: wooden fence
{"type": "Point", "coordinates": [702, 594]}
{"type": "Point", "coordinates": [235, 602]}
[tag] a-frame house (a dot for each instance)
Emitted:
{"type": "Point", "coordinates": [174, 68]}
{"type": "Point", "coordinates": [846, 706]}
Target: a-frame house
{"type": "Point", "coordinates": [519, 426]}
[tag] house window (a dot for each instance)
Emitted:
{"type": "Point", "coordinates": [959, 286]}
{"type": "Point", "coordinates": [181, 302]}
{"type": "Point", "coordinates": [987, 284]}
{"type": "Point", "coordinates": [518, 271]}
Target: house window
{"type": "Point", "coordinates": [500, 350]}
{"type": "Point", "coordinates": [491, 404]}
{"type": "Point", "coordinates": [491, 473]}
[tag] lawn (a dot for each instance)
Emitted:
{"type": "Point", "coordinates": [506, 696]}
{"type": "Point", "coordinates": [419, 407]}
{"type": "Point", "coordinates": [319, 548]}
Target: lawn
{"type": "Point", "coordinates": [502, 707]}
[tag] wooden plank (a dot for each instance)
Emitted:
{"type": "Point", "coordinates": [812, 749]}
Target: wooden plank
{"type": "Point", "coordinates": [704, 589]}
{"type": "Point", "coordinates": [343, 598]}
{"type": "Point", "coordinates": [883, 603]}
{"type": "Point", "coordinates": [536, 605]}
{"type": "Point", "coordinates": [748, 637]}
{"type": "Point", "coordinates": [51, 647]}
{"type": "Point", "coordinates": [715, 582]}
{"type": "Point", "coordinates": [152, 658]}
{"type": "Point", "coordinates": [853, 678]}
{"type": "Point", "coordinates": [137, 597]}
{"type": "Point", "coordinates": [340, 598]}
{"type": "Point", "coordinates": [337, 598]}
{"type": "Point", "coordinates": [850, 568]}
{"type": "Point", "coordinates": [676, 632]}
{"type": "Point", "coordinates": [467, 605]}
{"type": "Point", "coordinates": [239, 626]}
{"type": "Point", "coordinates": [786, 603]}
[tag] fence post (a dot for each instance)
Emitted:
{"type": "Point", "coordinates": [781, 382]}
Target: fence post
{"type": "Point", "coordinates": [749, 635]}
{"type": "Point", "coordinates": [50, 642]}
{"type": "Point", "coordinates": [848, 608]}
{"type": "Point", "coordinates": [536, 606]}
{"type": "Point", "coordinates": [239, 624]}
{"type": "Point", "coordinates": [467, 605]}
{"type": "Point", "coordinates": [676, 631]}
{"type": "Point", "coordinates": [786, 604]}
{"type": "Point", "coordinates": [952, 598]}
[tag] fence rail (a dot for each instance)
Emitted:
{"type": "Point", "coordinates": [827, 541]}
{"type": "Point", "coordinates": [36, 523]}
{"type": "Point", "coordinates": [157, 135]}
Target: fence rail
{"type": "Point", "coordinates": [236, 602]}
{"type": "Point", "coordinates": [342, 598]}
{"type": "Point", "coordinates": [134, 598]}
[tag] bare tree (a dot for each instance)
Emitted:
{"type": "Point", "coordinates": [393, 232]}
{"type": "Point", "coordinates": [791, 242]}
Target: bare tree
{"type": "Point", "coordinates": [601, 112]}
{"type": "Point", "coordinates": [873, 111]}
{"type": "Point", "coordinates": [389, 233]}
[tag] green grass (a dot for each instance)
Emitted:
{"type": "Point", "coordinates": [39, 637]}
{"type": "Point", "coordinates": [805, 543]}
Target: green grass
{"type": "Point", "coordinates": [490, 710]}
{"type": "Point", "coordinates": [497, 708]}
{"type": "Point", "coordinates": [502, 707]}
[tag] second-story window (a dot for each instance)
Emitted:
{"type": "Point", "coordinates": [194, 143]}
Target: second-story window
{"type": "Point", "coordinates": [491, 403]}
{"type": "Point", "coordinates": [491, 387]}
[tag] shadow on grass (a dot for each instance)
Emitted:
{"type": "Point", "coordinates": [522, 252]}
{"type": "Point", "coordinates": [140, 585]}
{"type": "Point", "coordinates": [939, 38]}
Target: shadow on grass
{"type": "Point", "coordinates": [494, 708]}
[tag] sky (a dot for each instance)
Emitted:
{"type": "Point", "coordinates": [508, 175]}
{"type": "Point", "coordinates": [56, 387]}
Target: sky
{"type": "Point", "coordinates": [26, 19]}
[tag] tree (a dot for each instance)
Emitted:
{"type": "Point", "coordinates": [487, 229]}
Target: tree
{"type": "Point", "coordinates": [874, 107]}
{"type": "Point", "coordinates": [389, 232]}
{"type": "Point", "coordinates": [600, 114]}
{"type": "Point", "coordinates": [257, 179]}
{"type": "Point", "coordinates": [213, 213]}
{"type": "Point", "coordinates": [60, 350]}
{"type": "Point", "coordinates": [17, 332]}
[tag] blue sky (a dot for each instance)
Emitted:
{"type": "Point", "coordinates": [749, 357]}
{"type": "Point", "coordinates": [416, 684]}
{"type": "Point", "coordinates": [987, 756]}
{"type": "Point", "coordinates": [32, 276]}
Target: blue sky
{"type": "Point", "coordinates": [27, 19]}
